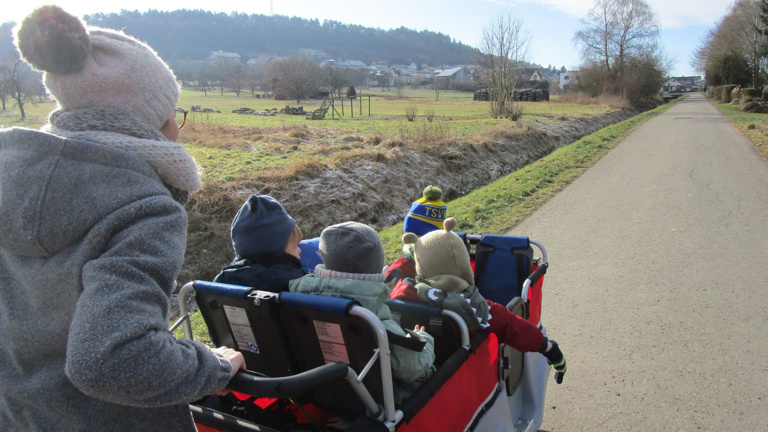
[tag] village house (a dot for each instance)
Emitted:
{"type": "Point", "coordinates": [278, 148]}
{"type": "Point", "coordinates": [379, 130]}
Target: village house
{"type": "Point", "coordinates": [457, 74]}
{"type": "Point", "coordinates": [224, 56]}
{"type": "Point", "coordinates": [568, 77]}
{"type": "Point", "coordinates": [682, 84]}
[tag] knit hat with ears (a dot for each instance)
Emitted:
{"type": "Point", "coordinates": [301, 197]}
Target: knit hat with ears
{"type": "Point", "coordinates": [427, 213]}
{"type": "Point", "coordinates": [94, 67]}
{"type": "Point", "coordinates": [442, 258]}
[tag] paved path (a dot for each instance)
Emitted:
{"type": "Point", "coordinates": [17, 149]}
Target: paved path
{"type": "Point", "coordinates": [657, 289]}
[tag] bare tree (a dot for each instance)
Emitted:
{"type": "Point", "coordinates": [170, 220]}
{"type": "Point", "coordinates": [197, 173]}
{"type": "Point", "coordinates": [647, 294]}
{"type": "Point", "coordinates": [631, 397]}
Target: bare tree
{"type": "Point", "coordinates": [505, 48]}
{"type": "Point", "coordinates": [617, 37]}
{"type": "Point", "coordinates": [21, 81]}
{"type": "Point", "coordinates": [236, 78]}
{"type": "Point", "coordinates": [295, 77]}
{"type": "Point", "coordinates": [615, 30]}
{"type": "Point", "coordinates": [335, 79]}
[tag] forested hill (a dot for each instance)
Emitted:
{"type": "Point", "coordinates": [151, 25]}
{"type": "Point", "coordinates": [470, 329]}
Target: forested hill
{"type": "Point", "coordinates": [194, 34]}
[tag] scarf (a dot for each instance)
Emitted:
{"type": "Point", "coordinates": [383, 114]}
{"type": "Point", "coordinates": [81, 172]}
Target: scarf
{"type": "Point", "coordinates": [120, 129]}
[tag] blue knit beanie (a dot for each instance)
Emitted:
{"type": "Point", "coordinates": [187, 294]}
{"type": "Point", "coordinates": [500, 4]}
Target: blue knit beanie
{"type": "Point", "coordinates": [427, 213]}
{"type": "Point", "coordinates": [260, 227]}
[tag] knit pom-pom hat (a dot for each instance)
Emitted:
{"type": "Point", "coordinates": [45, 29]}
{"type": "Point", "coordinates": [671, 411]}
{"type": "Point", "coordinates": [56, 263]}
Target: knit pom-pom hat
{"type": "Point", "coordinates": [427, 213]}
{"type": "Point", "coordinates": [441, 255]}
{"type": "Point", "coordinates": [94, 67]}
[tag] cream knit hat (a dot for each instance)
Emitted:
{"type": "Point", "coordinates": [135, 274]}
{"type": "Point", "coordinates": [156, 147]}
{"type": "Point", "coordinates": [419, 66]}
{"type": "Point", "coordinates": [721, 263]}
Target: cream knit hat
{"type": "Point", "coordinates": [94, 67]}
{"type": "Point", "coordinates": [441, 254]}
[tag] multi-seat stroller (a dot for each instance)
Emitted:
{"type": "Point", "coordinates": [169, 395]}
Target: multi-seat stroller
{"type": "Point", "coordinates": [318, 363]}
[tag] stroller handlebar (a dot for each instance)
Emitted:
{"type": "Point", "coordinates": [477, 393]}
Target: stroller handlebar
{"type": "Point", "coordinates": [290, 386]}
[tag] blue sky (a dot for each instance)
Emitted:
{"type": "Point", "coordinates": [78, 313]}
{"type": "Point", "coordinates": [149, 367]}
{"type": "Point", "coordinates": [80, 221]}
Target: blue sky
{"type": "Point", "coordinates": [551, 23]}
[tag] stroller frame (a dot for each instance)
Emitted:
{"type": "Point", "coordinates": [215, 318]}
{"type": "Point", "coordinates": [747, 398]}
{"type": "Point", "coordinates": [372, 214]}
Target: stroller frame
{"type": "Point", "coordinates": [516, 402]}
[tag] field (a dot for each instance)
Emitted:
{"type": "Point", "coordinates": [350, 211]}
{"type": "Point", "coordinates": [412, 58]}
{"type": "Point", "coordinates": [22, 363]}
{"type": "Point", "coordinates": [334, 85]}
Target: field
{"type": "Point", "coordinates": [229, 145]}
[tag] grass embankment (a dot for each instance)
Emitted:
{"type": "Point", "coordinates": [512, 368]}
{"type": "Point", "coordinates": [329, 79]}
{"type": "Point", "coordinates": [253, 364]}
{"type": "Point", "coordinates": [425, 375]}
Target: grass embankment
{"type": "Point", "coordinates": [754, 126]}
{"type": "Point", "coordinates": [498, 207]}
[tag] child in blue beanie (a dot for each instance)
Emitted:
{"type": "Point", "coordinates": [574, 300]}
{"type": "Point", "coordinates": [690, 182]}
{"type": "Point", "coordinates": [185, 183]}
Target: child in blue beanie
{"type": "Point", "coordinates": [425, 215]}
{"type": "Point", "coordinates": [266, 243]}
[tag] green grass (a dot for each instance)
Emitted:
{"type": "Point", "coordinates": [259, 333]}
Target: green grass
{"type": "Point", "coordinates": [752, 125]}
{"type": "Point", "coordinates": [460, 114]}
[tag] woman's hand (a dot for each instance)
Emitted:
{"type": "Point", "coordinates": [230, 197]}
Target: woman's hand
{"type": "Point", "coordinates": [235, 358]}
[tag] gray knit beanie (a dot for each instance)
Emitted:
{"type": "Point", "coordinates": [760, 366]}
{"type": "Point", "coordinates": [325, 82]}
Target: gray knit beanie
{"type": "Point", "coordinates": [94, 67]}
{"type": "Point", "coordinates": [351, 247]}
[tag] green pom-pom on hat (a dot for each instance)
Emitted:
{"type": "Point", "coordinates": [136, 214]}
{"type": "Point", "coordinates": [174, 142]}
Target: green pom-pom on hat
{"type": "Point", "coordinates": [433, 193]}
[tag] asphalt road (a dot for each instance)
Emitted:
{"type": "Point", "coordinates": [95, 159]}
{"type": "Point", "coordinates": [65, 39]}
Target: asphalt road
{"type": "Point", "coordinates": [657, 284]}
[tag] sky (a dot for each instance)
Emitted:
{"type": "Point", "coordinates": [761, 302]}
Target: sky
{"type": "Point", "coordinates": [551, 23]}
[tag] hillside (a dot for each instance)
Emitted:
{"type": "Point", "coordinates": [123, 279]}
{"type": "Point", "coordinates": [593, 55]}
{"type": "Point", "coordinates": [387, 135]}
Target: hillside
{"type": "Point", "coordinates": [193, 34]}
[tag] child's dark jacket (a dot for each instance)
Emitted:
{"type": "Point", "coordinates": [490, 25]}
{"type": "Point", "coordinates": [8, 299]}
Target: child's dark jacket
{"type": "Point", "coordinates": [269, 272]}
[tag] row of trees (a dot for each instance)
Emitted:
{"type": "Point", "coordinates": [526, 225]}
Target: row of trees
{"type": "Point", "coordinates": [193, 34]}
{"type": "Point", "coordinates": [19, 84]}
{"type": "Point", "coordinates": [735, 51]}
{"type": "Point", "coordinates": [295, 77]}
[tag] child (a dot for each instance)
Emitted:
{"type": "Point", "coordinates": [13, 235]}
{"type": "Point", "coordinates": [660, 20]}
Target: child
{"type": "Point", "coordinates": [92, 237]}
{"type": "Point", "coordinates": [353, 261]}
{"type": "Point", "coordinates": [425, 215]}
{"type": "Point", "coordinates": [266, 243]}
{"type": "Point", "coordinates": [445, 279]}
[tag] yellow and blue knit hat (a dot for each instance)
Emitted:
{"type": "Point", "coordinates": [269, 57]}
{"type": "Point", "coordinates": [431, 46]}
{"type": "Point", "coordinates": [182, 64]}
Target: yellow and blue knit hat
{"type": "Point", "coordinates": [427, 213]}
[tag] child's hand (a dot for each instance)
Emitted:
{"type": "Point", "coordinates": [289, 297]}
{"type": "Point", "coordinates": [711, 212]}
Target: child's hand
{"type": "Point", "coordinates": [418, 327]}
{"type": "Point", "coordinates": [556, 358]}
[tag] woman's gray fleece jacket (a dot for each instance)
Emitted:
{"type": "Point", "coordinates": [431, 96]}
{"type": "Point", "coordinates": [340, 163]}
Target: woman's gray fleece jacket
{"type": "Point", "coordinates": [90, 245]}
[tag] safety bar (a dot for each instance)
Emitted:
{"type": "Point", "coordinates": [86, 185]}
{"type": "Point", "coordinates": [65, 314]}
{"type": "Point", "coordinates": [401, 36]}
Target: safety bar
{"type": "Point", "coordinates": [183, 311]}
{"type": "Point", "coordinates": [384, 360]}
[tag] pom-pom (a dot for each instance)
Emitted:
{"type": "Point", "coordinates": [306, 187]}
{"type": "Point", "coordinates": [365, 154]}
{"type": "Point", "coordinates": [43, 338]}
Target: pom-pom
{"type": "Point", "coordinates": [410, 238]}
{"type": "Point", "coordinates": [52, 40]}
{"type": "Point", "coordinates": [449, 224]}
{"type": "Point", "coordinates": [432, 193]}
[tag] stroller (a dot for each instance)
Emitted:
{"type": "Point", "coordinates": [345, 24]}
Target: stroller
{"type": "Point", "coordinates": [318, 363]}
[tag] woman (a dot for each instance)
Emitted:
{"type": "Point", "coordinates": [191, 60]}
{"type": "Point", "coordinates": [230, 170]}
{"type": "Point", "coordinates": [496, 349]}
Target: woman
{"type": "Point", "coordinates": [92, 236]}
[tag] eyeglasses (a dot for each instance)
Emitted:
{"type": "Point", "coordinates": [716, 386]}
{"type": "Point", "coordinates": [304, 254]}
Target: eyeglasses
{"type": "Point", "coordinates": [183, 111]}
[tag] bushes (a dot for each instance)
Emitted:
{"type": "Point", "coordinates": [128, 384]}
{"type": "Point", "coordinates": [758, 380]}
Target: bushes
{"type": "Point", "coordinates": [715, 92]}
{"type": "Point", "coordinates": [750, 92]}
{"type": "Point", "coordinates": [755, 107]}
{"type": "Point", "coordinates": [736, 94]}
{"type": "Point", "coordinates": [765, 93]}
{"type": "Point", "coordinates": [725, 96]}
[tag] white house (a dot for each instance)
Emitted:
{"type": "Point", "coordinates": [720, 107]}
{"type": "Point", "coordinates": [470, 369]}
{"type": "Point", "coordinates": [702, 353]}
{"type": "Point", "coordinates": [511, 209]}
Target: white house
{"type": "Point", "coordinates": [224, 56]}
{"type": "Point", "coordinates": [568, 77]}
{"type": "Point", "coordinates": [682, 84]}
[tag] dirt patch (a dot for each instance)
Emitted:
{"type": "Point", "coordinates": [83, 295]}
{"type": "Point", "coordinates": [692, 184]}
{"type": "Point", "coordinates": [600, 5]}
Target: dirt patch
{"type": "Point", "coordinates": [376, 184]}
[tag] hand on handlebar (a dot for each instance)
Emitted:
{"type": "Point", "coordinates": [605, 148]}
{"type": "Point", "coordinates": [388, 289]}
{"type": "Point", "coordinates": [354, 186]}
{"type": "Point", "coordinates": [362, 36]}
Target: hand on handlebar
{"type": "Point", "coordinates": [235, 359]}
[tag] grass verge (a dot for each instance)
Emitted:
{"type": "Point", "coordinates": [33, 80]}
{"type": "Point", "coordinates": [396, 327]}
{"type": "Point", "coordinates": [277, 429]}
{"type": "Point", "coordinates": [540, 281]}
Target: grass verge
{"type": "Point", "coordinates": [753, 126]}
{"type": "Point", "coordinates": [498, 207]}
